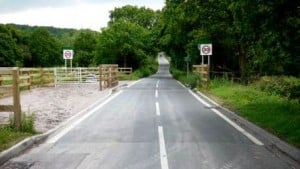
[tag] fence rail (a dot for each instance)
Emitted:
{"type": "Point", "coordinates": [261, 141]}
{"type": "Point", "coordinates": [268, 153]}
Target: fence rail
{"type": "Point", "coordinates": [108, 76]}
{"type": "Point", "coordinates": [12, 80]}
{"type": "Point", "coordinates": [12, 86]}
{"type": "Point", "coordinates": [203, 71]}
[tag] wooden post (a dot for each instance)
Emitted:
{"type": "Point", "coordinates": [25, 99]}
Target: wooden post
{"type": "Point", "coordinates": [100, 77]}
{"type": "Point", "coordinates": [16, 99]}
{"type": "Point", "coordinates": [41, 77]}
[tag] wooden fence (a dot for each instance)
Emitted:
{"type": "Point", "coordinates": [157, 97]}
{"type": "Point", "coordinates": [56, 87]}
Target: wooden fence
{"type": "Point", "coordinates": [10, 84]}
{"type": "Point", "coordinates": [203, 71]}
{"type": "Point", "coordinates": [12, 80]}
{"type": "Point", "coordinates": [126, 71]}
{"type": "Point", "coordinates": [108, 76]}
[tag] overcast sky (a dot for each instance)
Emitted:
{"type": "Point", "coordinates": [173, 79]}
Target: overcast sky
{"type": "Point", "coordinates": [92, 14]}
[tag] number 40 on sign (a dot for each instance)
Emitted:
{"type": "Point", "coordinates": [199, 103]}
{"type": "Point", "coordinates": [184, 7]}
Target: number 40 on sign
{"type": "Point", "coordinates": [205, 49]}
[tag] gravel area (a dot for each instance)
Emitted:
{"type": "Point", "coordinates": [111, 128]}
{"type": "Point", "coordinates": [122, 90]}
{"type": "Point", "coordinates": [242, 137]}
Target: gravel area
{"type": "Point", "coordinates": [51, 106]}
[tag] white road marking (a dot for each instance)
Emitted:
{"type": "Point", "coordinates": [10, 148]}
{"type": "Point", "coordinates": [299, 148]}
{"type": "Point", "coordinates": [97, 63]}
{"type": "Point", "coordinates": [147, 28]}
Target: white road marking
{"type": "Point", "coordinates": [156, 94]}
{"type": "Point", "coordinates": [70, 127]}
{"type": "Point", "coordinates": [162, 147]}
{"type": "Point", "coordinates": [181, 84]}
{"type": "Point", "coordinates": [157, 109]}
{"type": "Point", "coordinates": [157, 83]}
{"type": "Point", "coordinates": [237, 127]}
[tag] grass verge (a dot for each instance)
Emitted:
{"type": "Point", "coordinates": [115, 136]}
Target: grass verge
{"type": "Point", "coordinates": [9, 136]}
{"type": "Point", "coordinates": [274, 113]}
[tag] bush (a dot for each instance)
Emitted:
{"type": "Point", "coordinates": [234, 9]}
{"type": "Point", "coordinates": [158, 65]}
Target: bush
{"type": "Point", "coordinates": [288, 87]}
{"type": "Point", "coordinates": [191, 80]}
{"type": "Point", "coordinates": [149, 68]}
{"type": "Point", "coordinates": [27, 123]}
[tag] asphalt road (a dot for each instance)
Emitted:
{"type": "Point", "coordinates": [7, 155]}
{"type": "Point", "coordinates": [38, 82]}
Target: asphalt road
{"type": "Point", "coordinates": [154, 124]}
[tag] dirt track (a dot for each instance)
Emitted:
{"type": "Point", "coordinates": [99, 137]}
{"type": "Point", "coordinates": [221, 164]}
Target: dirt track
{"type": "Point", "coordinates": [51, 106]}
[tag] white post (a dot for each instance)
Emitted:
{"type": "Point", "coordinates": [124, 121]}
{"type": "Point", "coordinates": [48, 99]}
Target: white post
{"type": "Point", "coordinates": [55, 77]}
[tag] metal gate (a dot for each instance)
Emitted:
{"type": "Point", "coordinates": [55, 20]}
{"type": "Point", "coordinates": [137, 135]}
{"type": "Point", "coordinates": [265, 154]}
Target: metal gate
{"type": "Point", "coordinates": [76, 75]}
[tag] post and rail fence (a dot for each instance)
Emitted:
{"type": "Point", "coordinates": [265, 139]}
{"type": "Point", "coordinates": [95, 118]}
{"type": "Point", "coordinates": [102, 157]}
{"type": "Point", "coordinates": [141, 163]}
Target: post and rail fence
{"type": "Point", "coordinates": [202, 71]}
{"type": "Point", "coordinates": [108, 76]}
{"type": "Point", "coordinates": [14, 80]}
{"type": "Point", "coordinates": [10, 84]}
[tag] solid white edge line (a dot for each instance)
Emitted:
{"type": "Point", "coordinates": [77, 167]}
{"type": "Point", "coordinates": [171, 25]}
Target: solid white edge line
{"type": "Point", "coordinates": [162, 148]}
{"type": "Point", "coordinates": [70, 127]}
{"type": "Point", "coordinates": [237, 127]}
{"type": "Point", "coordinates": [181, 84]}
{"type": "Point", "coordinates": [157, 109]}
{"type": "Point", "coordinates": [134, 82]}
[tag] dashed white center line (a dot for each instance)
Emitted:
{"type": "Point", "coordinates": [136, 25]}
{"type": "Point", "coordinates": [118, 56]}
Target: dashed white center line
{"type": "Point", "coordinates": [156, 94]}
{"type": "Point", "coordinates": [157, 83]}
{"type": "Point", "coordinates": [157, 109]}
{"type": "Point", "coordinates": [162, 147]}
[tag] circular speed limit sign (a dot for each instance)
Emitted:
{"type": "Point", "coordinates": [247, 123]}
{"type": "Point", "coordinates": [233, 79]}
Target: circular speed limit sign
{"type": "Point", "coordinates": [68, 54]}
{"type": "Point", "coordinates": [206, 49]}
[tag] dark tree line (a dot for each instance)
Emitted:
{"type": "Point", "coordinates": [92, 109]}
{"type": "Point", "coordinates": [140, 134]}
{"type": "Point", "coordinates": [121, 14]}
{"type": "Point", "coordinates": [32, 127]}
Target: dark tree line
{"type": "Point", "coordinates": [247, 35]}
{"type": "Point", "coordinates": [27, 46]}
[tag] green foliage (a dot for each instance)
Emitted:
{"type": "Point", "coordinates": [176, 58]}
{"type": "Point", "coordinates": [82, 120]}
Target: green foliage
{"type": "Point", "coordinates": [27, 123]}
{"type": "Point", "coordinates": [128, 39]}
{"type": "Point", "coordinates": [9, 136]}
{"type": "Point", "coordinates": [149, 68]}
{"type": "Point", "coordinates": [288, 87]}
{"type": "Point", "coordinates": [142, 16]}
{"type": "Point", "coordinates": [122, 43]}
{"type": "Point", "coordinates": [45, 49]}
{"type": "Point", "coordinates": [8, 47]}
{"type": "Point", "coordinates": [247, 35]}
{"type": "Point", "coordinates": [191, 80]}
{"type": "Point", "coordinates": [272, 112]}
{"type": "Point", "coordinates": [85, 46]}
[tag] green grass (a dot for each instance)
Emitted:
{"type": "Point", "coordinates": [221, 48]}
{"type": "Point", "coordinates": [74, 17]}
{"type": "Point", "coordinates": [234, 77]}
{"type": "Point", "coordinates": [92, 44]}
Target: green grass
{"type": "Point", "coordinates": [9, 136]}
{"type": "Point", "coordinates": [274, 113]}
{"type": "Point", "coordinates": [191, 79]}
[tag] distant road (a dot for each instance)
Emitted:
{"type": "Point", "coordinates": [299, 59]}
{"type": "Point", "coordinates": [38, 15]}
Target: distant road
{"type": "Point", "coordinates": [154, 124]}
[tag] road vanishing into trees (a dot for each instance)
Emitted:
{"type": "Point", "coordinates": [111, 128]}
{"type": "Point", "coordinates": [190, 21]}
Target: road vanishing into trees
{"type": "Point", "coordinates": [156, 123]}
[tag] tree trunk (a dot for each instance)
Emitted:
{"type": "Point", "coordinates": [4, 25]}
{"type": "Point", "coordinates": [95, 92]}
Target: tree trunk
{"type": "Point", "coordinates": [243, 63]}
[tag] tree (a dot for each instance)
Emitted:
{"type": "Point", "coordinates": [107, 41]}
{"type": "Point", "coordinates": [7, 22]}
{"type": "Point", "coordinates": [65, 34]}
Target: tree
{"type": "Point", "coordinates": [7, 47]}
{"type": "Point", "coordinates": [248, 35]}
{"type": "Point", "coordinates": [144, 17]}
{"type": "Point", "coordinates": [123, 43]}
{"type": "Point", "coordinates": [85, 46]}
{"type": "Point", "coordinates": [46, 50]}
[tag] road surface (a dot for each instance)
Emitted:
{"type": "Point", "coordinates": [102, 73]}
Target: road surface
{"type": "Point", "coordinates": [154, 124]}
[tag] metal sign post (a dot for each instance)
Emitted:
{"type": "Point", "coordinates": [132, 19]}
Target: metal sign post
{"type": "Point", "coordinates": [205, 50]}
{"type": "Point", "coordinates": [68, 55]}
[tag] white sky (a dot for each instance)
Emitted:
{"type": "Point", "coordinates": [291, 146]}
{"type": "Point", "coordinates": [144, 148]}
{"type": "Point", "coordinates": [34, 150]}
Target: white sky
{"type": "Point", "coordinates": [92, 14]}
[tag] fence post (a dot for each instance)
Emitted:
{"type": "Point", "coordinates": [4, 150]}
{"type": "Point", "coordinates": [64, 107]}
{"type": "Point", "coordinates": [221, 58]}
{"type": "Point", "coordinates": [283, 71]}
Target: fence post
{"type": "Point", "coordinates": [16, 99]}
{"type": "Point", "coordinates": [100, 77]}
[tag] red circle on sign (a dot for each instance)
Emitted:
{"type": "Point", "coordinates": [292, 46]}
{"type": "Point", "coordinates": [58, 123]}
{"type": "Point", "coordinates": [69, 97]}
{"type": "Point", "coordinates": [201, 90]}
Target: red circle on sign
{"type": "Point", "coordinates": [68, 54]}
{"type": "Point", "coordinates": [206, 49]}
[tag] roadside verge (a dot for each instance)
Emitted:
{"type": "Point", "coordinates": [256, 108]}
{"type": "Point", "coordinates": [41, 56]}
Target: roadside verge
{"type": "Point", "coordinates": [278, 147]}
